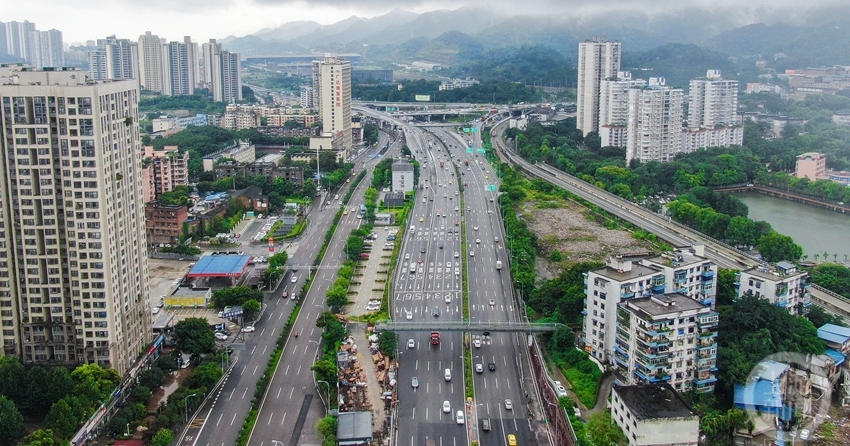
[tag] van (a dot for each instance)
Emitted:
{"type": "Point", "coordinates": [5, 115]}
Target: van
{"type": "Point", "coordinates": [448, 374]}
{"type": "Point", "coordinates": [412, 229]}
{"type": "Point", "coordinates": [485, 424]}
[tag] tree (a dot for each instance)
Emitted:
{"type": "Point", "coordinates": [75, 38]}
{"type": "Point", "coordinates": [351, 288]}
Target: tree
{"type": "Point", "coordinates": [325, 370]}
{"type": "Point", "coordinates": [13, 380]}
{"type": "Point", "coordinates": [59, 383]}
{"type": "Point", "coordinates": [562, 341]}
{"type": "Point", "coordinates": [39, 396]}
{"type": "Point", "coordinates": [309, 188]}
{"type": "Point", "coordinates": [151, 378]}
{"type": "Point", "coordinates": [741, 231]}
{"type": "Point", "coordinates": [388, 343]}
{"type": "Point", "coordinates": [205, 376]}
{"type": "Point", "coordinates": [818, 317]}
{"type": "Point", "coordinates": [62, 419]}
{"type": "Point", "coordinates": [776, 247]}
{"type": "Point", "coordinates": [726, 290]}
{"type": "Point", "coordinates": [163, 437]}
{"type": "Point", "coordinates": [194, 335]}
{"type": "Point", "coordinates": [327, 428]}
{"type": "Point", "coordinates": [337, 298]}
{"type": "Point", "coordinates": [11, 422]}
{"type": "Point", "coordinates": [41, 437]}
{"type": "Point", "coordinates": [602, 430]}
{"type": "Point", "coordinates": [250, 308]}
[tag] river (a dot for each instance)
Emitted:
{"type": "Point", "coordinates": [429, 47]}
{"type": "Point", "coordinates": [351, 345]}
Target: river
{"type": "Point", "coordinates": [816, 229]}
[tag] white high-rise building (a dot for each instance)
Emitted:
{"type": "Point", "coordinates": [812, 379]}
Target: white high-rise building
{"type": "Point", "coordinates": [152, 68]}
{"type": "Point", "coordinates": [598, 59]}
{"type": "Point", "coordinates": [614, 108]}
{"type": "Point", "coordinates": [332, 95]}
{"type": "Point", "coordinates": [73, 265]}
{"type": "Point", "coordinates": [46, 49]}
{"type": "Point", "coordinates": [180, 68]}
{"type": "Point", "coordinates": [226, 77]}
{"type": "Point", "coordinates": [114, 59]}
{"type": "Point", "coordinates": [16, 37]}
{"type": "Point", "coordinates": [209, 50]}
{"type": "Point", "coordinates": [712, 101]}
{"type": "Point", "coordinates": [655, 124]}
{"type": "Point", "coordinates": [192, 56]}
{"type": "Point", "coordinates": [306, 100]}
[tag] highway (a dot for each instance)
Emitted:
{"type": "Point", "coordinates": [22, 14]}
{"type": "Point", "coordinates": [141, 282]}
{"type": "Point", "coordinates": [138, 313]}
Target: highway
{"type": "Point", "coordinates": [219, 419]}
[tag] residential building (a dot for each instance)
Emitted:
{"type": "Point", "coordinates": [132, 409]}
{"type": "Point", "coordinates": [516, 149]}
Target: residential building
{"type": "Point", "coordinates": [306, 98]}
{"type": "Point", "coordinates": [114, 59]}
{"type": "Point", "coordinates": [777, 122]}
{"type": "Point", "coordinates": [402, 172]}
{"type": "Point", "coordinates": [781, 284]}
{"type": "Point", "coordinates": [164, 222]}
{"type": "Point", "coordinates": [695, 139]}
{"type": "Point", "coordinates": [166, 126]}
{"type": "Point", "coordinates": [225, 73]}
{"type": "Point", "coordinates": [152, 67]}
{"type": "Point", "coordinates": [455, 83]}
{"type": "Point", "coordinates": [252, 198]}
{"type": "Point", "coordinates": [394, 199]}
{"type": "Point", "coordinates": [764, 390]}
{"type": "Point", "coordinates": [841, 118]}
{"type": "Point", "coordinates": [239, 117]}
{"type": "Point", "coordinates": [598, 59]}
{"type": "Point", "coordinates": [667, 338]}
{"type": "Point", "coordinates": [163, 170]}
{"type": "Point", "coordinates": [836, 337]}
{"type": "Point", "coordinates": [266, 166]}
{"type": "Point", "coordinates": [16, 38]}
{"type": "Point", "coordinates": [208, 52]}
{"type": "Point", "coordinates": [193, 57]}
{"type": "Point", "coordinates": [811, 165]}
{"type": "Point", "coordinates": [181, 67]}
{"type": "Point", "coordinates": [332, 88]}
{"type": "Point", "coordinates": [614, 108]}
{"type": "Point", "coordinates": [72, 231]}
{"type": "Point", "coordinates": [655, 124]}
{"type": "Point", "coordinates": [757, 87]}
{"type": "Point", "coordinates": [687, 271]}
{"type": "Point", "coordinates": [241, 152]}
{"type": "Point", "coordinates": [654, 415]}
{"type": "Point", "coordinates": [46, 49]}
{"type": "Point", "coordinates": [712, 101]}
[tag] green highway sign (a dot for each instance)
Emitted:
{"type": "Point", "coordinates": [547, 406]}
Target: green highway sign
{"type": "Point", "coordinates": [480, 150]}
{"type": "Point", "coordinates": [474, 129]}
{"type": "Point", "coordinates": [491, 188]}
{"type": "Point", "coordinates": [466, 129]}
{"type": "Point", "coordinates": [469, 150]}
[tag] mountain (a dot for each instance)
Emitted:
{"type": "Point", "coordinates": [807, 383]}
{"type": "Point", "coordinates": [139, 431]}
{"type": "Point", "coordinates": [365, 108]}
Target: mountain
{"type": "Point", "coordinates": [289, 30]}
{"type": "Point", "coordinates": [676, 62]}
{"type": "Point", "coordinates": [356, 30]}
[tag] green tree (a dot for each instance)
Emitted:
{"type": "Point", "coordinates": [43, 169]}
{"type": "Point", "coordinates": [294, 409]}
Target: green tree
{"type": "Point", "coordinates": [603, 431]}
{"type": "Point", "coordinates": [62, 419]}
{"type": "Point", "coordinates": [11, 422]}
{"type": "Point", "coordinates": [309, 189]}
{"type": "Point", "coordinates": [337, 298]}
{"type": "Point", "coordinates": [205, 376]}
{"type": "Point", "coordinates": [776, 247]}
{"type": "Point", "coordinates": [325, 370]}
{"type": "Point", "coordinates": [327, 428]}
{"type": "Point", "coordinates": [388, 343]}
{"type": "Point", "coordinates": [278, 260]}
{"type": "Point", "coordinates": [719, 428]}
{"type": "Point", "coordinates": [741, 231]}
{"type": "Point", "coordinates": [194, 335]}
{"type": "Point", "coordinates": [250, 309]}
{"type": "Point", "coordinates": [41, 437]}
{"type": "Point", "coordinates": [13, 379]}
{"type": "Point", "coordinates": [163, 437]}
{"type": "Point", "coordinates": [562, 340]}
{"type": "Point", "coordinates": [39, 395]}
{"type": "Point", "coordinates": [819, 317]}
{"type": "Point", "coordinates": [726, 290]}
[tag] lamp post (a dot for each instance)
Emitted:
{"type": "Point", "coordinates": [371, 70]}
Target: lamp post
{"type": "Point", "coordinates": [186, 407]}
{"type": "Point", "coordinates": [555, 420]}
{"type": "Point", "coordinates": [328, 403]}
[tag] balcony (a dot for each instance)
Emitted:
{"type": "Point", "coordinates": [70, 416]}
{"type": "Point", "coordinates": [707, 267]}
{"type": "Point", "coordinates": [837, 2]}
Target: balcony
{"type": "Point", "coordinates": [708, 301]}
{"type": "Point", "coordinates": [707, 275]}
{"type": "Point", "coordinates": [706, 334]}
{"type": "Point", "coordinates": [707, 320]}
{"type": "Point", "coordinates": [707, 344]}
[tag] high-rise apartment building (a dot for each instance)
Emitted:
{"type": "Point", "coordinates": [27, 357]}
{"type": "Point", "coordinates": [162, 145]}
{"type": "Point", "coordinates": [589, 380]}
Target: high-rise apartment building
{"type": "Point", "coordinates": [208, 52]}
{"type": "Point", "coordinates": [655, 124]}
{"type": "Point", "coordinates": [712, 101]}
{"type": "Point", "coordinates": [614, 108]}
{"type": "Point", "coordinates": [180, 68]}
{"type": "Point", "coordinates": [226, 77]}
{"type": "Point", "coordinates": [73, 265]}
{"type": "Point", "coordinates": [781, 284]}
{"type": "Point", "coordinates": [152, 67]}
{"type": "Point", "coordinates": [194, 62]}
{"type": "Point", "coordinates": [163, 170]}
{"type": "Point", "coordinates": [114, 59]}
{"type": "Point", "coordinates": [598, 59]}
{"type": "Point", "coordinates": [332, 95]}
{"type": "Point", "coordinates": [16, 38]}
{"type": "Point", "coordinates": [306, 100]}
{"type": "Point", "coordinates": [46, 49]}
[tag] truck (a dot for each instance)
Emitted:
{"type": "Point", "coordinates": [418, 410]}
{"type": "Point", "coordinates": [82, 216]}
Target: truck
{"type": "Point", "coordinates": [435, 338]}
{"type": "Point", "coordinates": [499, 265]}
{"type": "Point", "coordinates": [466, 162]}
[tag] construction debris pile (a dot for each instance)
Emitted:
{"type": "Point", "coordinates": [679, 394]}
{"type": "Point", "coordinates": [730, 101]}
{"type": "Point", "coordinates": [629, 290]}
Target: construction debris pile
{"type": "Point", "coordinates": [352, 379]}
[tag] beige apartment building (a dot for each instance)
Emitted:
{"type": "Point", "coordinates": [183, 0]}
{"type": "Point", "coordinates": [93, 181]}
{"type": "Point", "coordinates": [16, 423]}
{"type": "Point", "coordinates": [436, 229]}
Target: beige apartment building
{"type": "Point", "coordinates": [163, 170]}
{"type": "Point", "coordinates": [73, 265]}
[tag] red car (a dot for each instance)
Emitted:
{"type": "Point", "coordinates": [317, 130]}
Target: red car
{"type": "Point", "coordinates": [285, 294]}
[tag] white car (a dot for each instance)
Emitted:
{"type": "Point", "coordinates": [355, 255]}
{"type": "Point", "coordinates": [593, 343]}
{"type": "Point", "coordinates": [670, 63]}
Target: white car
{"type": "Point", "coordinates": [294, 279]}
{"type": "Point", "coordinates": [221, 336]}
{"type": "Point", "coordinates": [407, 256]}
{"type": "Point", "coordinates": [248, 329]}
{"type": "Point", "coordinates": [447, 407]}
{"type": "Point", "coordinates": [478, 241]}
{"type": "Point", "coordinates": [559, 389]}
{"type": "Point", "coordinates": [448, 264]}
{"type": "Point", "coordinates": [409, 315]}
{"type": "Point", "coordinates": [492, 302]}
{"type": "Point", "coordinates": [155, 310]}
{"type": "Point", "coordinates": [459, 417]}
{"type": "Point", "coordinates": [479, 368]}
{"type": "Point", "coordinates": [509, 405]}
{"type": "Point", "coordinates": [471, 253]}
{"type": "Point", "coordinates": [411, 343]}
{"type": "Point", "coordinates": [477, 343]}
{"type": "Point", "coordinates": [457, 254]}
{"type": "Point", "coordinates": [804, 434]}
{"type": "Point", "coordinates": [475, 228]}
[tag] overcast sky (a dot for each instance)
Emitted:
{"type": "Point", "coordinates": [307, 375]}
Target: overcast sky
{"type": "Point", "coordinates": [204, 19]}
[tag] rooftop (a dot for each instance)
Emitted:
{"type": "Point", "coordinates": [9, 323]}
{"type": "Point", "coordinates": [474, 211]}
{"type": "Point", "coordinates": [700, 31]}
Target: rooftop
{"type": "Point", "coordinates": [661, 304]}
{"type": "Point", "coordinates": [654, 402]}
{"type": "Point", "coordinates": [354, 428]}
{"type": "Point", "coordinates": [767, 273]}
{"type": "Point", "coordinates": [220, 266]}
{"type": "Point", "coordinates": [637, 270]}
{"type": "Point", "coordinates": [834, 333]}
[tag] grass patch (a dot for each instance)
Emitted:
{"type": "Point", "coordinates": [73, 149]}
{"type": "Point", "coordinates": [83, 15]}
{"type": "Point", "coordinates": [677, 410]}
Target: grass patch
{"type": "Point", "coordinates": [548, 205]}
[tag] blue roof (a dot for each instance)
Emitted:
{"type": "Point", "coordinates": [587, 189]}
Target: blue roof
{"type": "Point", "coordinates": [212, 197]}
{"type": "Point", "coordinates": [834, 333]}
{"type": "Point", "coordinates": [222, 265]}
{"type": "Point", "coordinates": [836, 356]}
{"type": "Point", "coordinates": [763, 392]}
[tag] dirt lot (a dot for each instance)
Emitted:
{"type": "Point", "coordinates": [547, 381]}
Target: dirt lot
{"type": "Point", "coordinates": [575, 233]}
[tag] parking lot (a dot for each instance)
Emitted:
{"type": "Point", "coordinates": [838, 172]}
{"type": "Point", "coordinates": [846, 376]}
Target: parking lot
{"type": "Point", "coordinates": [370, 276]}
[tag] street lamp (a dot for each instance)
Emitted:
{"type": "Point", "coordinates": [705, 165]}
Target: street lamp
{"type": "Point", "coordinates": [328, 403]}
{"type": "Point", "coordinates": [555, 421]}
{"type": "Point", "coordinates": [186, 407]}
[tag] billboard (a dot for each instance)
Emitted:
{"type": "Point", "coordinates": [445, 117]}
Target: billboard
{"type": "Point", "coordinates": [423, 98]}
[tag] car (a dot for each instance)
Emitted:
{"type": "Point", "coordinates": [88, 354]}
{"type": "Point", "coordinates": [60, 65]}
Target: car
{"type": "Point", "coordinates": [285, 294]}
{"type": "Point", "coordinates": [448, 264]}
{"type": "Point", "coordinates": [445, 195]}
{"type": "Point", "coordinates": [456, 209]}
{"type": "Point", "coordinates": [804, 434]}
{"type": "Point", "coordinates": [457, 254]}
{"type": "Point", "coordinates": [422, 250]}
{"type": "Point", "coordinates": [457, 223]}
{"type": "Point", "coordinates": [448, 298]}
{"type": "Point", "coordinates": [509, 405]}
{"type": "Point", "coordinates": [478, 241]}
{"type": "Point", "coordinates": [294, 279]}
{"type": "Point", "coordinates": [420, 260]}
{"type": "Point", "coordinates": [459, 417]}
{"type": "Point", "coordinates": [441, 246]}
{"type": "Point", "coordinates": [345, 212]}
{"type": "Point", "coordinates": [468, 209]}
{"type": "Point", "coordinates": [155, 310]}
{"type": "Point", "coordinates": [409, 315]}
{"type": "Point", "coordinates": [479, 368]}
{"type": "Point", "coordinates": [471, 253]}
{"type": "Point", "coordinates": [486, 177]}
{"type": "Point", "coordinates": [221, 336]}
{"type": "Point", "coordinates": [491, 366]}
{"type": "Point", "coordinates": [407, 256]}
{"type": "Point", "coordinates": [496, 239]}
{"type": "Point", "coordinates": [491, 199]}
{"type": "Point", "coordinates": [414, 382]}
{"type": "Point", "coordinates": [511, 440]}
{"type": "Point", "coordinates": [559, 389]}
{"type": "Point", "coordinates": [476, 343]}
{"type": "Point", "coordinates": [248, 329]}
{"type": "Point", "coordinates": [475, 228]}
{"type": "Point", "coordinates": [492, 302]}
{"type": "Point", "coordinates": [421, 219]}
{"type": "Point", "coordinates": [447, 407]}
{"type": "Point", "coordinates": [436, 312]}
{"type": "Point", "coordinates": [293, 296]}
{"type": "Point", "coordinates": [411, 343]}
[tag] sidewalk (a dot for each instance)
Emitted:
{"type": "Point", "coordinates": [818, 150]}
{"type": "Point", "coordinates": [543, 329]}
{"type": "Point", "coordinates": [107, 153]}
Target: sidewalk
{"type": "Point", "coordinates": [373, 387]}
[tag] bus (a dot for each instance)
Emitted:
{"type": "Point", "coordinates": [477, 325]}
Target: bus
{"type": "Point", "coordinates": [362, 209]}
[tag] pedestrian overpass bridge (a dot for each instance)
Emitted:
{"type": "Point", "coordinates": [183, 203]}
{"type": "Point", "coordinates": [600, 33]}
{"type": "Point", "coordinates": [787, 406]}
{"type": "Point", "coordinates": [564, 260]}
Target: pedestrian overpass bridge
{"type": "Point", "coordinates": [521, 327]}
